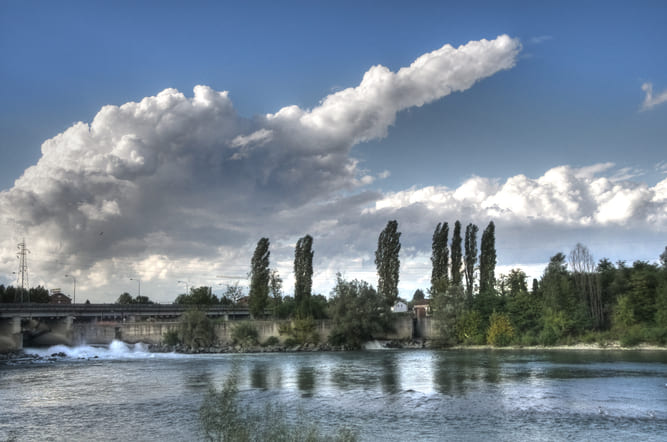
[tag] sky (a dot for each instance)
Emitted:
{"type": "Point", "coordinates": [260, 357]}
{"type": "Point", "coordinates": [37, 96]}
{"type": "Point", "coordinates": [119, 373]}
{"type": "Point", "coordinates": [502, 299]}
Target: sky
{"type": "Point", "coordinates": [159, 141]}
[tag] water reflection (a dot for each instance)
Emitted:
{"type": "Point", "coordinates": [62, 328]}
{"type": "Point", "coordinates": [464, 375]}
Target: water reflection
{"type": "Point", "coordinates": [258, 376]}
{"type": "Point", "coordinates": [390, 379]}
{"type": "Point", "coordinates": [306, 381]}
{"type": "Point", "coordinates": [456, 373]}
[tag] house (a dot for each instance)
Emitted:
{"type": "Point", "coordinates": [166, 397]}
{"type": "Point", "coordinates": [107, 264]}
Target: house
{"type": "Point", "coordinates": [422, 308]}
{"type": "Point", "coordinates": [400, 307]}
{"type": "Point", "coordinates": [57, 297]}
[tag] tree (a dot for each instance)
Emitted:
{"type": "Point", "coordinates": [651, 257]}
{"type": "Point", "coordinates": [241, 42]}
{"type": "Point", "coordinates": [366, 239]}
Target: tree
{"type": "Point", "coordinates": [233, 293]}
{"type": "Point", "coordinates": [470, 259]}
{"type": "Point", "coordinates": [124, 298]}
{"type": "Point", "coordinates": [457, 256]}
{"type": "Point", "coordinates": [358, 313]}
{"type": "Point", "coordinates": [439, 254]}
{"type": "Point", "coordinates": [259, 278]}
{"type": "Point", "coordinates": [487, 259]}
{"type": "Point", "coordinates": [198, 296]}
{"type": "Point", "coordinates": [387, 262]}
{"type": "Point", "coordinates": [39, 295]}
{"type": "Point", "coordinates": [587, 283]}
{"type": "Point", "coordinates": [196, 329]}
{"type": "Point", "coordinates": [276, 290]}
{"type": "Point", "coordinates": [303, 275]}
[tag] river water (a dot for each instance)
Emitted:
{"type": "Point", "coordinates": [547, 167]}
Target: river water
{"type": "Point", "coordinates": [125, 393]}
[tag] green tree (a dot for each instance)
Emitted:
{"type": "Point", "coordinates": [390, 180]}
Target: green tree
{"type": "Point", "coordinates": [303, 275]}
{"type": "Point", "coordinates": [39, 295]}
{"type": "Point", "coordinates": [259, 278]}
{"type": "Point", "coordinates": [196, 329]}
{"type": "Point", "coordinates": [439, 254]}
{"type": "Point", "coordinates": [387, 262]}
{"type": "Point", "coordinates": [276, 291]}
{"type": "Point", "coordinates": [500, 332]}
{"type": "Point", "coordinates": [587, 284]}
{"type": "Point", "coordinates": [124, 298]}
{"type": "Point", "coordinates": [470, 259]}
{"type": "Point", "coordinates": [358, 313]}
{"type": "Point", "coordinates": [457, 254]}
{"type": "Point", "coordinates": [487, 259]}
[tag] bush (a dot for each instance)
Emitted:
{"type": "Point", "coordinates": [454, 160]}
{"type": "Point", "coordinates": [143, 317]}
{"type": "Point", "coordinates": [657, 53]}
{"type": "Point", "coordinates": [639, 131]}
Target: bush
{"type": "Point", "coordinates": [500, 332]}
{"type": "Point", "coordinates": [271, 341]}
{"type": "Point", "coordinates": [222, 419]}
{"type": "Point", "coordinates": [196, 329]}
{"type": "Point", "coordinates": [245, 334]}
{"type": "Point", "coordinates": [632, 337]}
{"type": "Point", "coordinates": [171, 338]}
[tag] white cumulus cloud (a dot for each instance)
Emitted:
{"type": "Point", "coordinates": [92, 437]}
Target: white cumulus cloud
{"type": "Point", "coordinates": [650, 100]}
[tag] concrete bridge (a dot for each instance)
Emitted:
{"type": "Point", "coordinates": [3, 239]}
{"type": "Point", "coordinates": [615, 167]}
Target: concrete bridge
{"type": "Point", "coordinates": [50, 324]}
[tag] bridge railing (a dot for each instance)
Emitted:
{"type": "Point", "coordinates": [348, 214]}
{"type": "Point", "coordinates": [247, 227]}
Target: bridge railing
{"type": "Point", "coordinates": [106, 310]}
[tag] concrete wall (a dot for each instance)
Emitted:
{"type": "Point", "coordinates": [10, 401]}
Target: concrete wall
{"type": "Point", "coordinates": [426, 328]}
{"type": "Point", "coordinates": [11, 338]}
{"type": "Point", "coordinates": [153, 332]}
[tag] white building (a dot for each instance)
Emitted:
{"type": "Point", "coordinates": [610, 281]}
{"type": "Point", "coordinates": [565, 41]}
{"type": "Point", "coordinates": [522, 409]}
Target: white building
{"type": "Point", "coordinates": [400, 307]}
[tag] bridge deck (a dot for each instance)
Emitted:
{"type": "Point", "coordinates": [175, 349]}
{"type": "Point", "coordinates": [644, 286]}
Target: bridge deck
{"type": "Point", "coordinates": [113, 310]}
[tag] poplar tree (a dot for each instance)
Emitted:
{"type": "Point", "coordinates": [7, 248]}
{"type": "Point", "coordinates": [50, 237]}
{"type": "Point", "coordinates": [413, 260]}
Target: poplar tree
{"type": "Point", "coordinates": [457, 257]}
{"type": "Point", "coordinates": [259, 278]}
{"type": "Point", "coordinates": [487, 259]}
{"type": "Point", "coordinates": [439, 255]}
{"type": "Point", "coordinates": [387, 262]}
{"type": "Point", "coordinates": [303, 275]}
{"type": "Point", "coordinates": [470, 258]}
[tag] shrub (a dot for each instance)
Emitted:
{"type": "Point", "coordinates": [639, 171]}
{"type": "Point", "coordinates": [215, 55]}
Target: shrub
{"type": "Point", "coordinates": [245, 334]}
{"type": "Point", "coordinates": [196, 329]}
{"type": "Point", "coordinates": [500, 332]}
{"type": "Point", "coordinates": [171, 338]}
{"type": "Point", "coordinates": [632, 337]}
{"type": "Point", "coordinates": [223, 419]}
{"type": "Point", "coordinates": [272, 341]}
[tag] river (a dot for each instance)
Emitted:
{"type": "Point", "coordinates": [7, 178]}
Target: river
{"type": "Point", "coordinates": [125, 393]}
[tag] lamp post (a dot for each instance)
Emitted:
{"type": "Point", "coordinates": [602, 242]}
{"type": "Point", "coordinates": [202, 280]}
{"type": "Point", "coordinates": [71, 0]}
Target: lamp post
{"type": "Point", "coordinates": [139, 282]}
{"type": "Point", "coordinates": [186, 286]}
{"type": "Point", "coordinates": [74, 291]}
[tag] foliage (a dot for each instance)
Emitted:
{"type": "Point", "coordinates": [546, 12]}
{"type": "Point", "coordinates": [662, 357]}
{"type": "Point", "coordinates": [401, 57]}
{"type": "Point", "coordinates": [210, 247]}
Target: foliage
{"type": "Point", "coordinates": [196, 329]}
{"type": "Point", "coordinates": [500, 332]}
{"type": "Point", "coordinates": [303, 275]}
{"type": "Point", "coordinates": [171, 337]}
{"type": "Point", "coordinates": [447, 303]}
{"type": "Point", "coordinates": [222, 418]}
{"type": "Point", "coordinates": [358, 313]}
{"type": "Point", "coordinates": [624, 315]}
{"type": "Point", "coordinates": [300, 331]}
{"type": "Point", "coordinates": [487, 259]}
{"type": "Point", "coordinates": [276, 291]}
{"type": "Point", "coordinates": [555, 326]}
{"type": "Point", "coordinates": [388, 263]}
{"type": "Point", "coordinates": [233, 293]}
{"type": "Point", "coordinates": [198, 296]}
{"type": "Point", "coordinates": [439, 254]}
{"type": "Point", "coordinates": [470, 328]}
{"type": "Point", "coordinates": [245, 334]}
{"type": "Point", "coordinates": [39, 295]}
{"type": "Point", "coordinates": [470, 259]}
{"type": "Point", "coordinates": [259, 279]}
{"type": "Point", "coordinates": [271, 341]}
{"type": "Point", "coordinates": [457, 254]}
{"type": "Point", "coordinates": [126, 298]}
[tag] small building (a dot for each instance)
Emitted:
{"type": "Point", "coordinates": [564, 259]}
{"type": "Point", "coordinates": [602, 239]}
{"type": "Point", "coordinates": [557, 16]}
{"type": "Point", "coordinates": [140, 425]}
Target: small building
{"type": "Point", "coordinates": [57, 297]}
{"type": "Point", "coordinates": [400, 307]}
{"type": "Point", "coordinates": [422, 309]}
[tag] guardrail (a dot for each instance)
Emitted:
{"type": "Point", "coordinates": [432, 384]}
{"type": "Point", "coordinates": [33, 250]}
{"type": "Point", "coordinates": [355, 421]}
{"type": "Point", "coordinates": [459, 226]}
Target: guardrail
{"type": "Point", "coordinates": [113, 310]}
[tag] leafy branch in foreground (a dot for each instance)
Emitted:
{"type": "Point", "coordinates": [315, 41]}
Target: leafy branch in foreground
{"type": "Point", "coordinates": [222, 419]}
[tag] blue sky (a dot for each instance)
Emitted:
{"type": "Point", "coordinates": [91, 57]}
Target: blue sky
{"type": "Point", "coordinates": [572, 98]}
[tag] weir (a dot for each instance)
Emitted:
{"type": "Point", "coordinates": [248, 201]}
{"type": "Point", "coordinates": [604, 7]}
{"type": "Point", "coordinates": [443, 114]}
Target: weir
{"type": "Point", "coordinates": [46, 325]}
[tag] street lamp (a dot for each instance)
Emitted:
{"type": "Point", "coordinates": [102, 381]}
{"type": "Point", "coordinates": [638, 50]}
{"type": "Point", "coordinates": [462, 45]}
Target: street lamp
{"type": "Point", "coordinates": [74, 292]}
{"type": "Point", "coordinates": [186, 286]}
{"type": "Point", "coordinates": [139, 282]}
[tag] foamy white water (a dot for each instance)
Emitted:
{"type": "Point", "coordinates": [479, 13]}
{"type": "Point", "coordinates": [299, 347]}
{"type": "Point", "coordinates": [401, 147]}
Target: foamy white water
{"type": "Point", "coordinates": [115, 350]}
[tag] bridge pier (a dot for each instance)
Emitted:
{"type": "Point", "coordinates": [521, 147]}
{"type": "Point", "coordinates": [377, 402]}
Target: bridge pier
{"type": "Point", "coordinates": [11, 338]}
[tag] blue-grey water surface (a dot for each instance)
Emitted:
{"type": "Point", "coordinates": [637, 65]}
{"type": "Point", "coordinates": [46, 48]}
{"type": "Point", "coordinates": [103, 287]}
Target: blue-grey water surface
{"type": "Point", "coordinates": [125, 393]}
